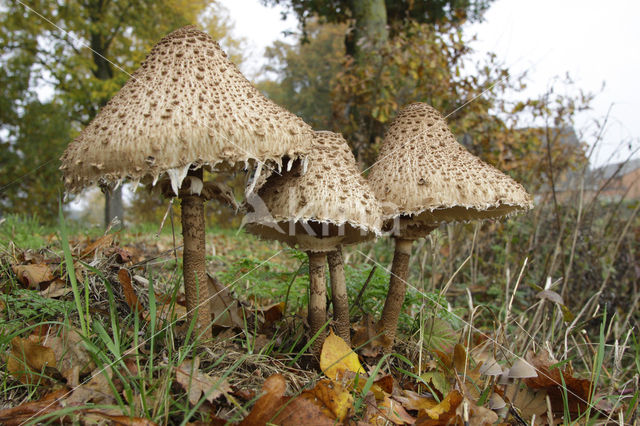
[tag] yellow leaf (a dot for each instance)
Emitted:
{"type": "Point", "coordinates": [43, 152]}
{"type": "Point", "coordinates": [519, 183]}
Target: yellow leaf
{"type": "Point", "coordinates": [337, 357]}
{"type": "Point", "coordinates": [447, 406]}
{"type": "Point", "coordinates": [337, 399]}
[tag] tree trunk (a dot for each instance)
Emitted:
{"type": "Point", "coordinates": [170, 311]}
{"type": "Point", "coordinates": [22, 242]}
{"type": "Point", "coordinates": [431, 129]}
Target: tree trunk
{"type": "Point", "coordinates": [340, 299]}
{"type": "Point", "coordinates": [195, 279]}
{"type": "Point", "coordinates": [317, 299]}
{"type": "Point", "coordinates": [370, 28]}
{"type": "Point", "coordinates": [397, 290]}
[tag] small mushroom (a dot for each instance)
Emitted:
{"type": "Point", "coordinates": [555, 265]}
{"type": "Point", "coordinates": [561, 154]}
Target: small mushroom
{"type": "Point", "coordinates": [520, 369]}
{"type": "Point", "coordinates": [318, 211]}
{"type": "Point", "coordinates": [424, 177]}
{"type": "Point", "coordinates": [153, 127]}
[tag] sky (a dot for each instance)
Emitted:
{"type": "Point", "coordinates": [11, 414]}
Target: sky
{"type": "Point", "coordinates": [596, 42]}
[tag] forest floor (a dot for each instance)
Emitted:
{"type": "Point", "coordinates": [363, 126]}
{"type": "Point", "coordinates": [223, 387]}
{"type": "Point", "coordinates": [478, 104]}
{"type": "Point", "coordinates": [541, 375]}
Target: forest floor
{"type": "Point", "coordinates": [93, 330]}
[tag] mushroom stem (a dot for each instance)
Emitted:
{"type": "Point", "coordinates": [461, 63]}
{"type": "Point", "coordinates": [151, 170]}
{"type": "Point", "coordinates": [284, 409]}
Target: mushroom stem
{"type": "Point", "coordinates": [339, 294]}
{"type": "Point", "coordinates": [397, 290]}
{"type": "Point", "coordinates": [317, 298]}
{"type": "Point", "coordinates": [193, 261]}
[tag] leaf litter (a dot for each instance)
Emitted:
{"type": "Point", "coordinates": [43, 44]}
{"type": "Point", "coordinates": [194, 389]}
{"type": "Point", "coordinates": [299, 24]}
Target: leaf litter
{"type": "Point", "coordinates": [454, 385]}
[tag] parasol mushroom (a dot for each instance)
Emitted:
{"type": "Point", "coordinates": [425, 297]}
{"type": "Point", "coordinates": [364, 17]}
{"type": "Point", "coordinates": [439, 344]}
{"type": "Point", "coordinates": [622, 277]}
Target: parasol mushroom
{"type": "Point", "coordinates": [328, 206]}
{"type": "Point", "coordinates": [424, 177]}
{"type": "Point", "coordinates": [186, 109]}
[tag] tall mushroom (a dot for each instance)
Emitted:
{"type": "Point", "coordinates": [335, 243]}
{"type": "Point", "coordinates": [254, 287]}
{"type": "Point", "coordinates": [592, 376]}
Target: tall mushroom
{"type": "Point", "coordinates": [186, 109]}
{"type": "Point", "coordinates": [328, 206]}
{"type": "Point", "coordinates": [424, 177]}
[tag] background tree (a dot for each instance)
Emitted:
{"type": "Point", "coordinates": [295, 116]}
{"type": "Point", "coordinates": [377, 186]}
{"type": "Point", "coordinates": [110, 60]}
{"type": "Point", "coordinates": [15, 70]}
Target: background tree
{"type": "Point", "coordinates": [423, 56]}
{"type": "Point", "coordinates": [81, 53]}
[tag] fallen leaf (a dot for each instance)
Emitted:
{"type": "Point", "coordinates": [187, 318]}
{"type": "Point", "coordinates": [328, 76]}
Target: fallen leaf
{"type": "Point", "coordinates": [130, 295]}
{"type": "Point", "coordinates": [224, 308]}
{"type": "Point", "coordinates": [368, 339]}
{"type": "Point", "coordinates": [446, 409]}
{"type": "Point", "coordinates": [478, 415]}
{"type": "Point", "coordinates": [98, 244]}
{"type": "Point", "coordinates": [528, 401]}
{"type": "Point", "coordinates": [578, 391]}
{"type": "Point", "coordinates": [301, 411]}
{"type": "Point", "coordinates": [73, 358]}
{"type": "Point", "coordinates": [394, 412]}
{"type": "Point", "coordinates": [57, 288]}
{"type": "Point", "coordinates": [414, 401]}
{"type": "Point", "coordinates": [32, 276]}
{"type": "Point", "coordinates": [267, 405]}
{"type": "Point", "coordinates": [385, 383]}
{"type": "Point", "coordinates": [337, 357]}
{"type": "Point", "coordinates": [197, 383]}
{"type": "Point", "coordinates": [96, 390]}
{"type": "Point", "coordinates": [436, 381]}
{"type": "Point", "coordinates": [28, 360]}
{"type": "Point", "coordinates": [336, 398]}
{"type": "Point", "coordinates": [118, 420]}
{"type": "Point", "coordinates": [32, 411]}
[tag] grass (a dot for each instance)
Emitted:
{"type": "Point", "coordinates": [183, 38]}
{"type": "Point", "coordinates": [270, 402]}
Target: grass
{"type": "Point", "coordinates": [462, 293]}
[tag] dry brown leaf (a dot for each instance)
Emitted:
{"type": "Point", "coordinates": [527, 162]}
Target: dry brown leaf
{"type": "Point", "coordinates": [57, 288]}
{"type": "Point", "coordinates": [116, 420]}
{"type": "Point", "coordinates": [268, 404]}
{"type": "Point", "coordinates": [224, 308]}
{"type": "Point", "coordinates": [97, 245]}
{"type": "Point", "coordinates": [33, 276]}
{"type": "Point", "coordinates": [414, 401]}
{"type": "Point", "coordinates": [480, 416]}
{"type": "Point", "coordinates": [271, 314]}
{"type": "Point", "coordinates": [337, 357]}
{"type": "Point", "coordinates": [30, 411]}
{"type": "Point", "coordinates": [130, 295]}
{"type": "Point", "coordinates": [528, 401]}
{"type": "Point", "coordinates": [385, 383]}
{"type": "Point", "coordinates": [551, 380]}
{"type": "Point", "coordinates": [197, 383]}
{"type": "Point", "coordinates": [370, 341]}
{"type": "Point", "coordinates": [28, 359]}
{"type": "Point", "coordinates": [301, 411]}
{"type": "Point", "coordinates": [394, 412]}
{"type": "Point", "coordinates": [73, 359]}
{"type": "Point", "coordinates": [96, 390]}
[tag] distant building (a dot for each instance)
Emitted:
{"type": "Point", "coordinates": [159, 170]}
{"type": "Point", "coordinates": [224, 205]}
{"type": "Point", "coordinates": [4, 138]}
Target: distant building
{"type": "Point", "coordinates": [617, 181]}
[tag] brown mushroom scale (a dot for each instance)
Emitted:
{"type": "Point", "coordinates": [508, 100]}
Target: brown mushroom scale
{"type": "Point", "coordinates": [187, 108]}
{"type": "Point", "coordinates": [424, 177]}
{"type": "Point", "coordinates": [318, 211]}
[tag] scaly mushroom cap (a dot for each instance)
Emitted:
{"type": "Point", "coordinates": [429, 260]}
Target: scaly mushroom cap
{"type": "Point", "coordinates": [328, 205]}
{"type": "Point", "coordinates": [425, 177]}
{"type": "Point", "coordinates": [186, 104]}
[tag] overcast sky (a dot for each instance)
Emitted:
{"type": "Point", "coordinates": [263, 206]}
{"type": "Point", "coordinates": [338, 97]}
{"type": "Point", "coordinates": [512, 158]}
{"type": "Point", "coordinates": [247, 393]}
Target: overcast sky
{"type": "Point", "coordinates": [596, 42]}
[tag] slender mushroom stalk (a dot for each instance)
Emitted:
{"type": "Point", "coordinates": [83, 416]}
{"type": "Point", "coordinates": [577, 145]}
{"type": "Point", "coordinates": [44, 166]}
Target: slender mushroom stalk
{"type": "Point", "coordinates": [424, 177]}
{"type": "Point", "coordinates": [397, 288]}
{"type": "Point", "coordinates": [193, 264]}
{"type": "Point", "coordinates": [339, 297]}
{"type": "Point", "coordinates": [317, 298]}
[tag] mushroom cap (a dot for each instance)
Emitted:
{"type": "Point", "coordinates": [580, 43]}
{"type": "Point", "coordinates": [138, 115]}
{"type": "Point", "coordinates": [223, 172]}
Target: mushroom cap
{"type": "Point", "coordinates": [424, 175]}
{"type": "Point", "coordinates": [521, 369]}
{"type": "Point", "coordinates": [330, 204]}
{"type": "Point", "coordinates": [187, 105]}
